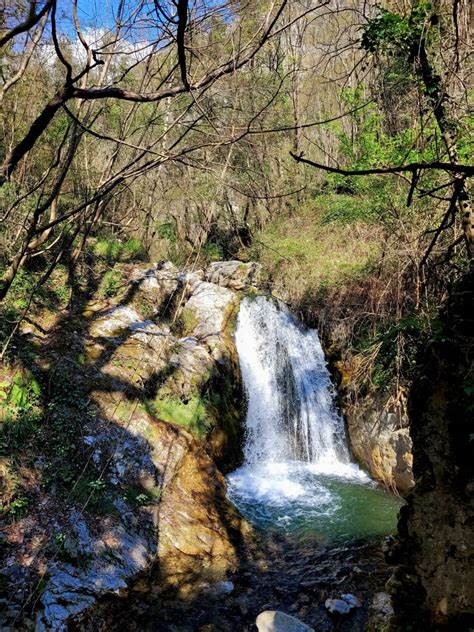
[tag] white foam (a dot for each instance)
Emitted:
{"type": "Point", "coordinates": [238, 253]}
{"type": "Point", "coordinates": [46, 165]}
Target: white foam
{"type": "Point", "coordinates": [330, 467]}
{"type": "Point", "coordinates": [278, 484]}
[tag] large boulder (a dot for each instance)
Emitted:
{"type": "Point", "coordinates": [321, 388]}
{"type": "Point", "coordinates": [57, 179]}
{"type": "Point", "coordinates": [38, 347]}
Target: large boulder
{"type": "Point", "coordinates": [155, 395]}
{"type": "Point", "coordinates": [182, 524]}
{"type": "Point", "coordinates": [207, 312]}
{"type": "Point", "coordinates": [235, 275]}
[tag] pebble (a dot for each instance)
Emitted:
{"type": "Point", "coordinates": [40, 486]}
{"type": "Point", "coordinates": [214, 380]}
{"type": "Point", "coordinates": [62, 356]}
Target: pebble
{"type": "Point", "coordinates": [352, 600]}
{"type": "Point", "coordinates": [337, 606]}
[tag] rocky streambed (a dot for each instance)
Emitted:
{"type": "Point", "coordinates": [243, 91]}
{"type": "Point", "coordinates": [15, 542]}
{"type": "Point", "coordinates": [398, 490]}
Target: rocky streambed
{"type": "Point", "coordinates": [306, 581]}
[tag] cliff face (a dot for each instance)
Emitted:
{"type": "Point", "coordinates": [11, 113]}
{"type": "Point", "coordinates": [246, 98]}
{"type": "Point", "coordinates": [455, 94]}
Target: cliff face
{"type": "Point", "coordinates": [138, 409]}
{"type": "Point", "coordinates": [433, 585]}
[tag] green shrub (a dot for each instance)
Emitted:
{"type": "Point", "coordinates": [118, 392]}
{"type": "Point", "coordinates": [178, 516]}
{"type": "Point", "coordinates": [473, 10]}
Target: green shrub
{"type": "Point", "coordinates": [18, 507]}
{"type": "Point", "coordinates": [106, 249]}
{"type": "Point", "coordinates": [110, 284]}
{"type": "Point", "coordinates": [133, 250]}
{"type": "Point", "coordinates": [212, 251]}
{"type": "Point", "coordinates": [168, 231]}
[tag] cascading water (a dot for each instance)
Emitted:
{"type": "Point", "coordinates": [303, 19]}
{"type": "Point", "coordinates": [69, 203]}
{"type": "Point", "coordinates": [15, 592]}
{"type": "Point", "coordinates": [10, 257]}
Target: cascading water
{"type": "Point", "coordinates": [297, 475]}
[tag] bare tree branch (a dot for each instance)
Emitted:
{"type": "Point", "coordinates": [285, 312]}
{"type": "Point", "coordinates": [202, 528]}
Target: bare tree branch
{"type": "Point", "coordinates": [31, 20]}
{"type": "Point", "coordinates": [467, 170]}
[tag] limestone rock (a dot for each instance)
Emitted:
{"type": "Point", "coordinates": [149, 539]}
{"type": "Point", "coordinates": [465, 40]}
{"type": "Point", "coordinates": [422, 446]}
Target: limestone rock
{"type": "Point", "coordinates": [115, 322]}
{"type": "Point", "coordinates": [198, 529]}
{"type": "Point", "coordinates": [138, 351]}
{"type": "Point", "coordinates": [114, 557]}
{"type": "Point", "coordinates": [380, 440]}
{"type": "Point", "coordinates": [380, 610]}
{"type": "Point", "coordinates": [276, 621]}
{"type": "Point", "coordinates": [163, 506]}
{"type": "Point", "coordinates": [160, 279]}
{"type": "Point", "coordinates": [190, 280]}
{"type": "Point", "coordinates": [207, 309]}
{"type": "Point", "coordinates": [235, 275]}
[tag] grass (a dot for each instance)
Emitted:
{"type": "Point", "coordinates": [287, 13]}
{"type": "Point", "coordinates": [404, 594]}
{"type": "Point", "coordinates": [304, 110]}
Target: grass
{"type": "Point", "coordinates": [317, 246]}
{"type": "Point", "coordinates": [112, 250]}
{"type": "Point", "coordinates": [110, 284]}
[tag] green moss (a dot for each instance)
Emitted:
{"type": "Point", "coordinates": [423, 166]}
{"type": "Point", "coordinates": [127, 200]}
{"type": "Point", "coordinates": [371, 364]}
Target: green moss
{"type": "Point", "coordinates": [191, 415]}
{"type": "Point", "coordinates": [185, 324]}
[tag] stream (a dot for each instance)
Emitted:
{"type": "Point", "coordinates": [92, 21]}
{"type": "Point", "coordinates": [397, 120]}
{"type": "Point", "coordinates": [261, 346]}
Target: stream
{"type": "Point", "coordinates": [297, 477]}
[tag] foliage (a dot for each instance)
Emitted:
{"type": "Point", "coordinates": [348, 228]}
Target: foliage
{"type": "Point", "coordinates": [398, 344]}
{"type": "Point", "coordinates": [110, 283]}
{"type": "Point", "coordinates": [390, 29]}
{"type": "Point", "coordinates": [112, 250]}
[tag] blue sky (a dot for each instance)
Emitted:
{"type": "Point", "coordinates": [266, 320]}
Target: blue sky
{"type": "Point", "coordinates": [90, 12]}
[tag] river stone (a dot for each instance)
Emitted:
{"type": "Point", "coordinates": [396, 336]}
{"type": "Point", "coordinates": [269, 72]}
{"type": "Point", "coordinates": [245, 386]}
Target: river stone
{"type": "Point", "coordinates": [276, 621]}
{"type": "Point", "coordinates": [381, 609]}
{"type": "Point", "coordinates": [352, 600]}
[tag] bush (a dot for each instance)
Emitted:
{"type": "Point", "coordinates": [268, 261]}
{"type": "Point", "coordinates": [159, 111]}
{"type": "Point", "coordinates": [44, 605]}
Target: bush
{"type": "Point", "coordinates": [110, 284]}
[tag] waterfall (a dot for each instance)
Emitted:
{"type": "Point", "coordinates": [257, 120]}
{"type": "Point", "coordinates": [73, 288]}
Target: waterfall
{"type": "Point", "coordinates": [290, 414]}
{"type": "Point", "coordinates": [297, 476]}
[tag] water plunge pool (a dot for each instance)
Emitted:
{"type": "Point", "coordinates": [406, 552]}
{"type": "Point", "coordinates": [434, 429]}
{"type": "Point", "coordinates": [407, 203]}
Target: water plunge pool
{"type": "Point", "coordinates": [304, 502]}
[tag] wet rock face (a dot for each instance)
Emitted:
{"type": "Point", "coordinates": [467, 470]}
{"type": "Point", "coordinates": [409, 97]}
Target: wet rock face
{"type": "Point", "coordinates": [434, 581]}
{"type": "Point", "coordinates": [380, 441]}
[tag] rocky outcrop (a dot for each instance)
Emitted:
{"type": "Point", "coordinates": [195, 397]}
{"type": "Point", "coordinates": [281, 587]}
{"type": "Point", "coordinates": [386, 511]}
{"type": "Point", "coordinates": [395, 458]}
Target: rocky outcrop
{"type": "Point", "coordinates": [433, 586]}
{"type": "Point", "coordinates": [380, 440]}
{"type": "Point", "coordinates": [235, 275]}
{"type": "Point", "coordinates": [156, 389]}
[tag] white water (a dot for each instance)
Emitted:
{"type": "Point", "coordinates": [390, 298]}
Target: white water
{"type": "Point", "coordinates": [290, 412]}
{"type": "Point", "coordinates": [297, 466]}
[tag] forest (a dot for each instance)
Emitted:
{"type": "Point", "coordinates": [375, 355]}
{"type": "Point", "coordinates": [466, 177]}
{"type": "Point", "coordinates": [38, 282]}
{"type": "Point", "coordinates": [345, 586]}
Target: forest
{"type": "Point", "coordinates": [236, 315]}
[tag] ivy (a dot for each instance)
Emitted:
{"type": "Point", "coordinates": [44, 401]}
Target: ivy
{"type": "Point", "coordinates": [390, 30]}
